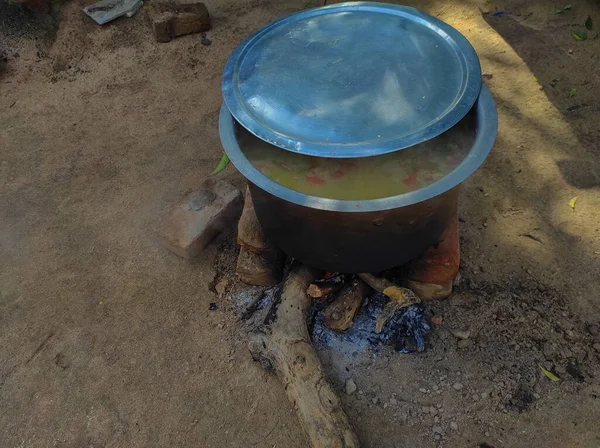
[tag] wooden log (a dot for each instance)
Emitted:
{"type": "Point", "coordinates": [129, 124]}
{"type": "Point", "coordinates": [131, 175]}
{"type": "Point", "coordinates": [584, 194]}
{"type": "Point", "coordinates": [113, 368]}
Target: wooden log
{"type": "Point", "coordinates": [339, 314]}
{"type": "Point", "coordinates": [324, 286]}
{"type": "Point", "coordinates": [403, 296]}
{"type": "Point", "coordinates": [400, 298]}
{"type": "Point", "coordinates": [285, 347]}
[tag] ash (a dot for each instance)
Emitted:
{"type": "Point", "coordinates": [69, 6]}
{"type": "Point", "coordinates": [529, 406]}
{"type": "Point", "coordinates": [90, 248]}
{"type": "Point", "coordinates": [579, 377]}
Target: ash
{"type": "Point", "coordinates": [406, 330]}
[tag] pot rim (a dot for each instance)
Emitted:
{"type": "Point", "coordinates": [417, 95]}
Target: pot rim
{"type": "Point", "coordinates": [487, 128]}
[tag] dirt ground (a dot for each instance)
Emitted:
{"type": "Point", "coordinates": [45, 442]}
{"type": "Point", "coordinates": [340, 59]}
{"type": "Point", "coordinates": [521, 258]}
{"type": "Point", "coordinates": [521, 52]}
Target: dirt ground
{"type": "Point", "coordinates": [106, 339]}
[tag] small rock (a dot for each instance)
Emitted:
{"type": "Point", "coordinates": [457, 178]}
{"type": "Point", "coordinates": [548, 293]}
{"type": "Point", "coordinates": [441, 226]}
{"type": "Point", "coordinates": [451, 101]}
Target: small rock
{"type": "Point", "coordinates": [463, 343]}
{"type": "Point", "coordinates": [433, 411]}
{"type": "Point", "coordinates": [453, 426]}
{"type": "Point", "coordinates": [461, 334]}
{"type": "Point", "coordinates": [475, 397]}
{"type": "Point", "coordinates": [594, 330]}
{"type": "Point", "coordinates": [457, 386]}
{"type": "Point", "coordinates": [423, 390]}
{"type": "Point", "coordinates": [212, 306]}
{"type": "Point", "coordinates": [437, 319]}
{"type": "Point", "coordinates": [484, 395]}
{"type": "Point", "coordinates": [438, 430]}
{"type": "Point", "coordinates": [375, 400]}
{"type": "Point", "coordinates": [221, 287]}
{"type": "Point", "coordinates": [536, 396]}
{"type": "Point", "coordinates": [350, 386]}
{"type": "Point", "coordinates": [393, 402]}
{"type": "Point", "coordinates": [596, 346]}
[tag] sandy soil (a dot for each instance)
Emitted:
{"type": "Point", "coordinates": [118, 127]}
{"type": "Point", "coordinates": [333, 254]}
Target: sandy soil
{"type": "Point", "coordinates": [106, 339]}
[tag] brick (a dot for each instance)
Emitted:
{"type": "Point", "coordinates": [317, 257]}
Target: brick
{"type": "Point", "coordinates": [431, 276]}
{"type": "Point", "coordinates": [177, 18]}
{"type": "Point", "coordinates": [186, 23]}
{"type": "Point", "coordinates": [161, 26]}
{"type": "Point", "coordinates": [202, 215]}
{"type": "Point", "coordinates": [260, 269]}
{"type": "Point", "coordinates": [192, 6]}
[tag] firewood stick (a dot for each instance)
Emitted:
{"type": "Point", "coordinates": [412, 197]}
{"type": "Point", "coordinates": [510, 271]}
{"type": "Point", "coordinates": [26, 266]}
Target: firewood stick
{"type": "Point", "coordinates": [286, 349]}
{"type": "Point", "coordinates": [403, 296]}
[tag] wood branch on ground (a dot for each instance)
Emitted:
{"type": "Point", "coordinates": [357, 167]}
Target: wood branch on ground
{"type": "Point", "coordinates": [284, 346]}
{"type": "Point", "coordinates": [324, 286]}
{"type": "Point", "coordinates": [339, 314]}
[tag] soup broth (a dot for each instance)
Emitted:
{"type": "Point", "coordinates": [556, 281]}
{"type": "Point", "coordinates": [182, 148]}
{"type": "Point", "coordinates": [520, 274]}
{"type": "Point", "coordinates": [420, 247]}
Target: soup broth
{"type": "Point", "coordinates": [366, 177]}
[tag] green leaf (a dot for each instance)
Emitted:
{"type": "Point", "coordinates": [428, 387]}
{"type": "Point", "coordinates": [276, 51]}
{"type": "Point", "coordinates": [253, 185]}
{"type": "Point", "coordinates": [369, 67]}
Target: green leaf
{"type": "Point", "coordinates": [563, 9]}
{"type": "Point", "coordinates": [589, 24]}
{"type": "Point", "coordinates": [222, 164]}
{"type": "Point", "coordinates": [580, 36]}
{"type": "Point", "coordinates": [549, 374]}
{"type": "Point", "coordinates": [572, 92]}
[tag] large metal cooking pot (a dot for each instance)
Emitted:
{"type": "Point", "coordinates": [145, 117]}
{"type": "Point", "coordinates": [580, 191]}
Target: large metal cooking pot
{"type": "Point", "coordinates": [367, 235]}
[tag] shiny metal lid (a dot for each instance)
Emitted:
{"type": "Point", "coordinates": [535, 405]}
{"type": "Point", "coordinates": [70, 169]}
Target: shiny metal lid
{"type": "Point", "coordinates": [352, 80]}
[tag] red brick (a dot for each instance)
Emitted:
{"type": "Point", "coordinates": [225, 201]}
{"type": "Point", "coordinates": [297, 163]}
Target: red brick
{"type": "Point", "coordinates": [202, 215]}
{"type": "Point", "coordinates": [432, 274]}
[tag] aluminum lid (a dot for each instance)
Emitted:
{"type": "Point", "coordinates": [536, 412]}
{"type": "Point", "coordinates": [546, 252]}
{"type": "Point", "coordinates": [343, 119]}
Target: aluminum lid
{"type": "Point", "coordinates": [352, 80]}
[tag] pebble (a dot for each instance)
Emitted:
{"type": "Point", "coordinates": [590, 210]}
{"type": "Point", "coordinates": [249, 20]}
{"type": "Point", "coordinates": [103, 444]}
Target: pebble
{"type": "Point", "coordinates": [221, 287]}
{"type": "Point", "coordinates": [454, 426]}
{"type": "Point", "coordinates": [375, 400]}
{"type": "Point", "coordinates": [596, 346]}
{"type": "Point", "coordinates": [536, 396]}
{"type": "Point", "coordinates": [393, 402]}
{"type": "Point", "coordinates": [423, 390]}
{"type": "Point", "coordinates": [432, 410]}
{"type": "Point", "coordinates": [484, 395]}
{"type": "Point", "coordinates": [475, 397]}
{"type": "Point", "coordinates": [457, 386]}
{"type": "Point", "coordinates": [594, 330]}
{"type": "Point", "coordinates": [438, 430]}
{"type": "Point", "coordinates": [350, 386]}
{"type": "Point", "coordinates": [461, 334]}
{"type": "Point", "coordinates": [463, 343]}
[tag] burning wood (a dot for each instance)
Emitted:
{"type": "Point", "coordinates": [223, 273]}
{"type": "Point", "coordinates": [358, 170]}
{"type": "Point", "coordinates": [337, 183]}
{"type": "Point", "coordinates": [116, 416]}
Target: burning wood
{"type": "Point", "coordinates": [324, 286]}
{"type": "Point", "coordinates": [339, 314]}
